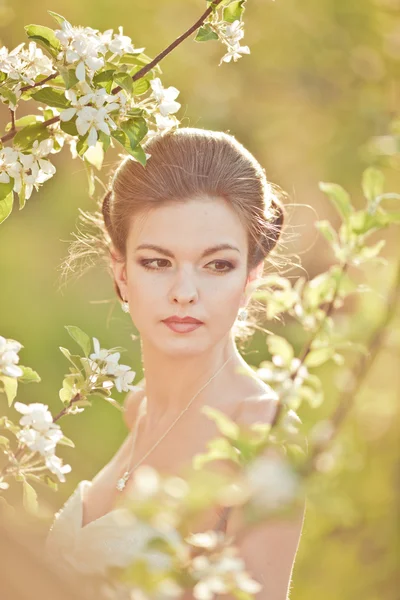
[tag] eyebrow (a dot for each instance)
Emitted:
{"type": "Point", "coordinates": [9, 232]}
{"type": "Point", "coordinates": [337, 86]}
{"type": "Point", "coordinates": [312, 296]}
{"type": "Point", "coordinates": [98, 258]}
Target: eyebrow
{"type": "Point", "coordinates": [206, 252]}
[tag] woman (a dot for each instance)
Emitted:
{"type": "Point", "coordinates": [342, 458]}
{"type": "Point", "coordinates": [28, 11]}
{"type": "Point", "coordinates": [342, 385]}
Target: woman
{"type": "Point", "coordinates": [186, 237]}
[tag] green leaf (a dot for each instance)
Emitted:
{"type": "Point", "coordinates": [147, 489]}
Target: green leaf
{"type": "Point", "coordinates": [115, 404]}
{"type": "Point", "coordinates": [104, 76]}
{"type": "Point", "coordinates": [105, 140]}
{"type": "Point", "coordinates": [59, 18]}
{"type": "Point", "coordinates": [6, 203]}
{"type": "Point", "coordinates": [368, 252]}
{"type": "Point", "coordinates": [69, 76]}
{"type": "Point", "coordinates": [5, 442]}
{"type": "Point", "coordinates": [141, 86]}
{"type": "Point", "coordinates": [385, 219]}
{"type": "Point", "coordinates": [5, 189]}
{"type": "Point", "coordinates": [205, 34]}
{"type": "Point", "coordinates": [70, 126]}
{"type": "Point", "coordinates": [104, 79]}
{"type": "Point", "coordinates": [80, 338]}
{"type": "Point", "coordinates": [8, 95]}
{"type": "Point", "coordinates": [135, 129]}
{"type": "Point", "coordinates": [339, 197]}
{"type": "Point", "coordinates": [51, 97]}
{"type": "Point", "coordinates": [137, 59]}
{"type": "Point", "coordinates": [70, 357]}
{"type": "Point", "coordinates": [329, 233]}
{"type": "Point", "coordinates": [51, 483]}
{"type": "Point", "coordinates": [234, 11]}
{"type": "Point", "coordinates": [25, 137]}
{"type": "Point", "coordinates": [82, 144]}
{"type": "Point", "coordinates": [29, 498]}
{"type": "Point", "coordinates": [318, 357]}
{"type": "Point", "coordinates": [10, 386]}
{"type": "Point", "coordinates": [29, 375]}
{"type": "Point", "coordinates": [23, 121]}
{"type": "Point", "coordinates": [281, 347]}
{"type": "Point", "coordinates": [125, 81]}
{"type": "Point", "coordinates": [95, 155]}
{"type": "Point", "coordinates": [66, 442]}
{"type": "Point", "coordinates": [373, 181]}
{"type": "Point", "coordinates": [45, 37]}
{"type": "Point", "coordinates": [218, 449]}
{"type": "Point", "coordinates": [225, 425]}
{"type": "Point", "coordinates": [138, 153]}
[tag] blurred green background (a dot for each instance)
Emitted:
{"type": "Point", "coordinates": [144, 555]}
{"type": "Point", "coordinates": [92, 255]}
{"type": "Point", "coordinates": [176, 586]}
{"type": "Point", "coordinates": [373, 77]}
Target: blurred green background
{"type": "Point", "coordinates": [321, 81]}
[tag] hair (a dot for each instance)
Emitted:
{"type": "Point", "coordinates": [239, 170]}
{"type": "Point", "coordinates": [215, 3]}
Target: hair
{"type": "Point", "coordinates": [185, 163]}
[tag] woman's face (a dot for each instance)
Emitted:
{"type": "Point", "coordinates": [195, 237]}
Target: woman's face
{"type": "Point", "coordinates": [185, 275]}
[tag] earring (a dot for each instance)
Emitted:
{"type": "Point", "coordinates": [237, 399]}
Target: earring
{"type": "Point", "coordinates": [242, 314]}
{"type": "Point", "coordinates": [125, 306]}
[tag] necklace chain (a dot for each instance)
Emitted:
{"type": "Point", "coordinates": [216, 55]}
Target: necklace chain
{"type": "Point", "coordinates": [121, 483]}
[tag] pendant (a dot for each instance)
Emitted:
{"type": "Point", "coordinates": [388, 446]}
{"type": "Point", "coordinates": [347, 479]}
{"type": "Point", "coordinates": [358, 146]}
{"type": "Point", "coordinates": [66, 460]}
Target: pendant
{"type": "Point", "coordinates": [121, 483]}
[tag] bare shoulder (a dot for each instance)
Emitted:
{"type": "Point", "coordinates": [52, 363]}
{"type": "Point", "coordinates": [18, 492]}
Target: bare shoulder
{"type": "Point", "coordinates": [258, 403]}
{"type": "Point", "coordinates": [132, 402]}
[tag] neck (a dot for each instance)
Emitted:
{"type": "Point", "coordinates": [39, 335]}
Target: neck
{"type": "Point", "coordinates": [173, 380]}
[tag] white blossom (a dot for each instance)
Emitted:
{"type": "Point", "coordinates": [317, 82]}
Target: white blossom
{"type": "Point", "coordinates": [104, 362]}
{"type": "Point", "coordinates": [234, 32]}
{"type": "Point", "coordinates": [25, 64]}
{"type": "Point", "coordinates": [235, 52]}
{"type": "Point", "coordinates": [30, 172]}
{"type": "Point", "coordinates": [121, 44]}
{"type": "Point", "coordinates": [44, 443]}
{"type": "Point", "coordinates": [231, 34]}
{"type": "Point", "coordinates": [35, 63]}
{"type": "Point", "coordinates": [272, 482]}
{"type": "Point", "coordinates": [219, 573]}
{"type": "Point", "coordinates": [10, 62]}
{"type": "Point", "coordinates": [101, 354]}
{"type": "Point", "coordinates": [147, 482]}
{"type": "Point", "coordinates": [165, 97]}
{"type": "Point", "coordinates": [9, 357]}
{"type": "Point", "coordinates": [36, 415]}
{"type": "Point", "coordinates": [81, 46]}
{"type": "Point", "coordinates": [91, 118]}
{"type": "Point", "coordinates": [55, 465]}
{"type": "Point", "coordinates": [163, 124]}
{"type": "Point", "coordinates": [124, 377]}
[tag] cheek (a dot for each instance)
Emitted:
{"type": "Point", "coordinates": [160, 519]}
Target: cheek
{"type": "Point", "coordinates": [223, 300]}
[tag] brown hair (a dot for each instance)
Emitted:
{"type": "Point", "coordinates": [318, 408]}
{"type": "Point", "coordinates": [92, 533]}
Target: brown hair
{"type": "Point", "coordinates": [183, 164]}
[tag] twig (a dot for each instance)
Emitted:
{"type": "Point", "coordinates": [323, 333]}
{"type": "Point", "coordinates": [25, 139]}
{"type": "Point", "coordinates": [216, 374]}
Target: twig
{"type": "Point", "coordinates": [39, 83]}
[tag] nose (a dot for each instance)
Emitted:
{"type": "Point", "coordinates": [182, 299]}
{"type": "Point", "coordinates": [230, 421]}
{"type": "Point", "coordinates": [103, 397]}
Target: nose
{"type": "Point", "coordinates": [184, 290]}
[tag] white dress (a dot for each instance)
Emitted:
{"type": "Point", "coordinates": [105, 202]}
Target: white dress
{"type": "Point", "coordinates": [115, 539]}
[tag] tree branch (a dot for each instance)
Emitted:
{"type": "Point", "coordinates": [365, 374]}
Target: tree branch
{"type": "Point", "coordinates": [10, 135]}
{"type": "Point", "coordinates": [358, 376]}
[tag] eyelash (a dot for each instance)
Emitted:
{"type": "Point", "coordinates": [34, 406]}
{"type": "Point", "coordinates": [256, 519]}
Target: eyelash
{"type": "Point", "coordinates": [145, 263]}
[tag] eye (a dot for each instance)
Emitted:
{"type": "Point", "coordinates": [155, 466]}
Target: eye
{"type": "Point", "coordinates": [224, 263]}
{"type": "Point", "coordinates": [145, 263]}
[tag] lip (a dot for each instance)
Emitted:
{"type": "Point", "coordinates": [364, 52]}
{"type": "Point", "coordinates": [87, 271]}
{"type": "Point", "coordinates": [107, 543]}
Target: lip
{"type": "Point", "coordinates": [175, 319]}
{"type": "Point", "coordinates": [181, 326]}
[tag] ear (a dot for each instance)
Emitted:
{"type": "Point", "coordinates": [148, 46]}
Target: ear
{"type": "Point", "coordinates": [251, 281]}
{"type": "Point", "coordinates": [118, 265]}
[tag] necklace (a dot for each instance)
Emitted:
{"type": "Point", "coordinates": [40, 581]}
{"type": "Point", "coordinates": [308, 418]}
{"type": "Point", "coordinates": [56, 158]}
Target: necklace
{"type": "Point", "coordinates": [121, 483]}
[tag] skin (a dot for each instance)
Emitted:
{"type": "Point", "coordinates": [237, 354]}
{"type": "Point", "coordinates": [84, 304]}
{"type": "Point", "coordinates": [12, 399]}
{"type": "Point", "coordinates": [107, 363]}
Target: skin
{"type": "Point", "coordinates": [177, 365]}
